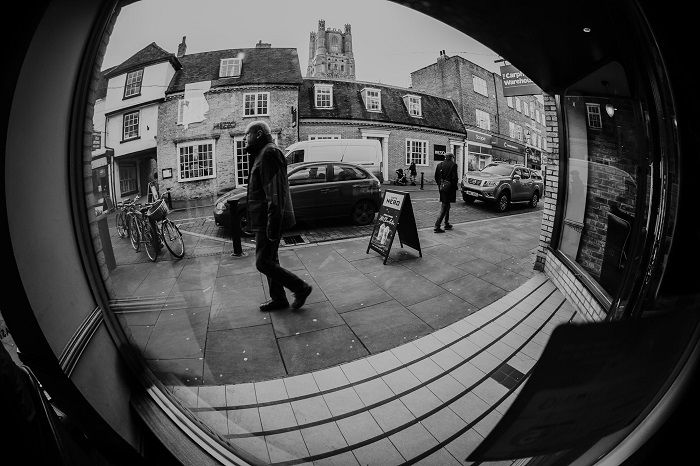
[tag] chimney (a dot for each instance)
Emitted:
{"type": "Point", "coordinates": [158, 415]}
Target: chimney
{"type": "Point", "coordinates": [182, 48]}
{"type": "Point", "coordinates": [262, 45]}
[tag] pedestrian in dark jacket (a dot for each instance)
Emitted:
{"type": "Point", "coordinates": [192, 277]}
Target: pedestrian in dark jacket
{"type": "Point", "coordinates": [270, 211]}
{"type": "Point", "coordinates": [446, 171]}
{"type": "Point", "coordinates": [412, 173]}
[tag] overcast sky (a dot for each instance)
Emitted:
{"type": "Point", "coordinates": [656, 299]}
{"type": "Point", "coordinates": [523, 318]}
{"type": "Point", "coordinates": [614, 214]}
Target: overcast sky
{"type": "Point", "coordinates": [389, 40]}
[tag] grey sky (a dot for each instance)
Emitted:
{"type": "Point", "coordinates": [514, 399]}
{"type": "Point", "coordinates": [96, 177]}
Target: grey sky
{"type": "Point", "coordinates": [389, 40]}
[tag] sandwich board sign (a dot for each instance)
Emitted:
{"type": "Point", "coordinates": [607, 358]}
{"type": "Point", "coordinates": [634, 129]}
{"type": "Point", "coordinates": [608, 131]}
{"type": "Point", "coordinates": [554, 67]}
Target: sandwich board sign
{"type": "Point", "coordinates": [395, 216]}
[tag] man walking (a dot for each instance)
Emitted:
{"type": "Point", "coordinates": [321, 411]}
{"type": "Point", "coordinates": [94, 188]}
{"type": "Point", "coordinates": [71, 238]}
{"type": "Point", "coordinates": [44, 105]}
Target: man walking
{"type": "Point", "coordinates": [446, 179]}
{"type": "Point", "coordinates": [270, 211]}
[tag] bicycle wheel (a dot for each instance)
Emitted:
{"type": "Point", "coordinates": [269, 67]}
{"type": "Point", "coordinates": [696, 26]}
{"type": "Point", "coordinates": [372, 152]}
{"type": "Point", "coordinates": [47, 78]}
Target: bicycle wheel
{"type": "Point", "coordinates": [134, 233]}
{"type": "Point", "coordinates": [149, 241]}
{"type": "Point", "coordinates": [172, 238]}
{"type": "Point", "coordinates": [121, 224]}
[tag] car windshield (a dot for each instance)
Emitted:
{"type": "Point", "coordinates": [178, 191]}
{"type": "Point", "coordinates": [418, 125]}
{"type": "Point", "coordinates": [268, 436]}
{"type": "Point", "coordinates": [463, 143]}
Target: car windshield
{"type": "Point", "coordinates": [498, 169]}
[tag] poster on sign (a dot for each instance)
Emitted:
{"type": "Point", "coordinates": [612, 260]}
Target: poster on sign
{"type": "Point", "coordinates": [395, 216]}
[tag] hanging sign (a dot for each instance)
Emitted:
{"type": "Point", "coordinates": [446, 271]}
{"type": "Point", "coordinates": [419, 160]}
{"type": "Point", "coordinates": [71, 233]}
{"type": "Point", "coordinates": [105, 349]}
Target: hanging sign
{"type": "Point", "coordinates": [395, 215]}
{"type": "Point", "coordinates": [516, 83]}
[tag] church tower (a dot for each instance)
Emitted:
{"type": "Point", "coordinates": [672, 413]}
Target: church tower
{"type": "Point", "coordinates": [330, 53]}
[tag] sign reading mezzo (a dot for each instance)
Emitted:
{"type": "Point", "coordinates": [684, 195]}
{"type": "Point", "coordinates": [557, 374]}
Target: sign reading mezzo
{"type": "Point", "coordinates": [516, 83]}
{"type": "Point", "coordinates": [395, 216]}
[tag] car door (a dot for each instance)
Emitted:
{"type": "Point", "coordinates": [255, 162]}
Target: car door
{"type": "Point", "coordinates": [310, 192]}
{"type": "Point", "coordinates": [527, 183]}
{"type": "Point", "coordinates": [518, 186]}
{"type": "Point", "coordinates": [352, 184]}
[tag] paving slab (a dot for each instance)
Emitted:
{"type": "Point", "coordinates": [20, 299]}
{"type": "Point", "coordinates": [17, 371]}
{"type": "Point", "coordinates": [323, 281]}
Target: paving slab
{"type": "Point", "coordinates": [311, 351]}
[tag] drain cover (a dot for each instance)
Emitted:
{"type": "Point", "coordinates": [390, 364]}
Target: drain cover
{"type": "Point", "coordinates": [294, 239]}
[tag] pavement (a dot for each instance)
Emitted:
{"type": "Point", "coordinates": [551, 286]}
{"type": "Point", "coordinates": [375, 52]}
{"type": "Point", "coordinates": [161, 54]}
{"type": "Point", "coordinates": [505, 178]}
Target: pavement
{"type": "Point", "coordinates": [411, 362]}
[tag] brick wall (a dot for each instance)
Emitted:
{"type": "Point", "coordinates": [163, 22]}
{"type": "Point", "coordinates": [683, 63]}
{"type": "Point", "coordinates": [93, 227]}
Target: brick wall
{"type": "Point", "coordinates": [587, 307]}
{"type": "Point", "coordinates": [551, 173]}
{"type": "Point", "coordinates": [397, 142]}
{"type": "Point", "coordinates": [612, 155]}
{"type": "Point", "coordinates": [225, 106]}
{"type": "Point", "coordinates": [451, 78]}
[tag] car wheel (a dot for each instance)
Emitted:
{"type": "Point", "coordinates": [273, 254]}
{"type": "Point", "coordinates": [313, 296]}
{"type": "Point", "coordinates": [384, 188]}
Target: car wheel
{"type": "Point", "coordinates": [243, 222]}
{"type": "Point", "coordinates": [502, 202]}
{"type": "Point", "coordinates": [534, 200]}
{"type": "Point", "coordinates": [363, 212]}
{"type": "Point", "coordinates": [468, 199]}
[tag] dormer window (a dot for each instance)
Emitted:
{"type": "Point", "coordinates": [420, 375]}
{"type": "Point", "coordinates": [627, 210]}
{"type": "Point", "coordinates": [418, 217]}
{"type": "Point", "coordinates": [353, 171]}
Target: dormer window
{"type": "Point", "coordinates": [323, 95]}
{"type": "Point", "coordinates": [412, 103]}
{"type": "Point", "coordinates": [229, 67]}
{"type": "Point", "coordinates": [132, 87]}
{"type": "Point", "coordinates": [373, 99]}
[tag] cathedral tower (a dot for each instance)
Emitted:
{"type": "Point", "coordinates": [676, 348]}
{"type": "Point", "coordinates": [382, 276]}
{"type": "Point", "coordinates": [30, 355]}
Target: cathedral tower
{"type": "Point", "coordinates": [330, 53]}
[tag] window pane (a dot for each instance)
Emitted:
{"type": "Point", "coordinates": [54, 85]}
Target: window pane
{"type": "Point", "coordinates": [607, 160]}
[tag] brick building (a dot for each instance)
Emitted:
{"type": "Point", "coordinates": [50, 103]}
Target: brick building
{"type": "Point", "coordinates": [409, 125]}
{"type": "Point", "coordinates": [498, 127]}
{"type": "Point", "coordinates": [208, 104]}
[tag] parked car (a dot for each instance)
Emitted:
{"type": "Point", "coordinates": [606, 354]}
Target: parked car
{"type": "Point", "coordinates": [501, 184]}
{"type": "Point", "coordinates": [319, 190]}
{"type": "Point", "coordinates": [364, 152]}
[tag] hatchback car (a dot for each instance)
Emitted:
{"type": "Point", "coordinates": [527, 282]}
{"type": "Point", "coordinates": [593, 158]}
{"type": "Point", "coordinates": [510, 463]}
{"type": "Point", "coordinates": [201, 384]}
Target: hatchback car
{"type": "Point", "coordinates": [319, 190]}
{"type": "Point", "coordinates": [501, 184]}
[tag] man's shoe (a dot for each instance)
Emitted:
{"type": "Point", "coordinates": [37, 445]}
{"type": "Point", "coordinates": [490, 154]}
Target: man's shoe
{"type": "Point", "coordinates": [438, 230]}
{"type": "Point", "coordinates": [300, 297]}
{"type": "Point", "coordinates": [274, 305]}
{"type": "Point", "coordinates": [448, 226]}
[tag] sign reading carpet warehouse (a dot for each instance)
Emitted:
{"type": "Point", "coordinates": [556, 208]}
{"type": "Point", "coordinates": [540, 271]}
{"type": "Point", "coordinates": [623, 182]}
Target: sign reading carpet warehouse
{"type": "Point", "coordinates": [516, 83]}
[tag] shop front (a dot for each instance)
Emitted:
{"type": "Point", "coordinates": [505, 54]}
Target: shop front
{"type": "Point", "coordinates": [478, 151]}
{"type": "Point", "coordinates": [507, 151]}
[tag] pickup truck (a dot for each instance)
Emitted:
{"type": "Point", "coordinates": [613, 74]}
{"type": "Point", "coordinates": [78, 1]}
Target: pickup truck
{"type": "Point", "coordinates": [501, 184]}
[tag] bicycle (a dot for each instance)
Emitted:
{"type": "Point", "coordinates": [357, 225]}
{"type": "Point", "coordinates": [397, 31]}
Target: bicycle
{"type": "Point", "coordinates": [141, 232]}
{"type": "Point", "coordinates": [122, 219]}
{"type": "Point", "coordinates": [166, 229]}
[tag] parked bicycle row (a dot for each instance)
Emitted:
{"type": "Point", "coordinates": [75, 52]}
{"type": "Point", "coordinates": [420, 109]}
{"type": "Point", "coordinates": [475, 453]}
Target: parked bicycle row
{"type": "Point", "coordinates": [148, 225]}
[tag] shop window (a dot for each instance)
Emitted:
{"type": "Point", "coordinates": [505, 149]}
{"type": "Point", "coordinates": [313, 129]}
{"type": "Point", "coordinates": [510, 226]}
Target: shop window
{"type": "Point", "coordinates": [196, 160]}
{"type": "Point", "coordinates": [416, 151]}
{"type": "Point", "coordinates": [605, 177]}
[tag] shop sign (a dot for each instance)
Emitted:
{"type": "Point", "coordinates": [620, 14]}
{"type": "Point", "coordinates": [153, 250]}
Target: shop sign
{"type": "Point", "coordinates": [395, 216]}
{"type": "Point", "coordinates": [507, 145]}
{"type": "Point", "coordinates": [225, 125]}
{"type": "Point", "coordinates": [478, 137]}
{"type": "Point", "coordinates": [516, 83]}
{"type": "Point", "coordinates": [96, 141]}
{"type": "Point", "coordinates": [439, 152]}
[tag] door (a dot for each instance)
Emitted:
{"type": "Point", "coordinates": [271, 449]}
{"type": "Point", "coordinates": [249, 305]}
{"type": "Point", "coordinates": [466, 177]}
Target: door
{"type": "Point", "coordinates": [528, 184]}
{"type": "Point", "coordinates": [312, 195]}
{"type": "Point", "coordinates": [519, 190]}
{"type": "Point", "coordinates": [351, 184]}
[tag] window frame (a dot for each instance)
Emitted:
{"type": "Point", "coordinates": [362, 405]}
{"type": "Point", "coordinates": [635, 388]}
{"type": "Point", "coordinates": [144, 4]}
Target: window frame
{"type": "Point", "coordinates": [369, 99]}
{"type": "Point", "coordinates": [518, 105]}
{"type": "Point", "coordinates": [412, 102]}
{"type": "Point", "coordinates": [486, 116]}
{"type": "Point", "coordinates": [596, 113]}
{"type": "Point", "coordinates": [231, 62]}
{"type": "Point", "coordinates": [256, 104]}
{"type": "Point", "coordinates": [408, 151]}
{"type": "Point", "coordinates": [196, 143]}
{"type": "Point", "coordinates": [481, 83]}
{"type": "Point", "coordinates": [128, 86]}
{"type": "Point", "coordinates": [137, 125]}
{"type": "Point", "coordinates": [318, 89]}
{"type": "Point", "coordinates": [122, 168]}
{"type": "Point", "coordinates": [240, 157]}
{"type": "Point", "coordinates": [509, 101]}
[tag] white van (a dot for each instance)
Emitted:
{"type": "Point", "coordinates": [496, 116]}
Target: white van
{"type": "Point", "coordinates": [363, 152]}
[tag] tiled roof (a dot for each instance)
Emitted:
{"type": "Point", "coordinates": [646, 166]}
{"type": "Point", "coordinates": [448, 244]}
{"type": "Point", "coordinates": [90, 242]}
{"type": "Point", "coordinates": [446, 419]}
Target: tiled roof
{"type": "Point", "coordinates": [348, 104]}
{"type": "Point", "coordinates": [150, 54]}
{"type": "Point", "coordinates": [259, 66]}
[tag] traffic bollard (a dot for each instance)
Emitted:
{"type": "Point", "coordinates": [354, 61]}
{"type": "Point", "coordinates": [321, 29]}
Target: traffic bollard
{"type": "Point", "coordinates": [235, 227]}
{"type": "Point", "coordinates": [421, 180]}
{"type": "Point", "coordinates": [170, 200]}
